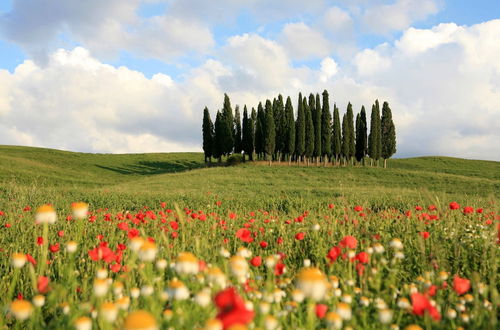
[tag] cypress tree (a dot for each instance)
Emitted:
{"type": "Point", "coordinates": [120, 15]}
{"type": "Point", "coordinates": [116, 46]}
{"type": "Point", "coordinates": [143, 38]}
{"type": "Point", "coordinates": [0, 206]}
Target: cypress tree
{"type": "Point", "coordinates": [259, 131]}
{"type": "Point", "coordinates": [317, 130]}
{"type": "Point", "coordinates": [309, 130]}
{"type": "Point", "coordinates": [300, 130]}
{"type": "Point", "coordinates": [351, 139]}
{"type": "Point", "coordinates": [326, 122]}
{"type": "Point", "coordinates": [388, 133]}
{"type": "Point", "coordinates": [289, 129]}
{"type": "Point", "coordinates": [374, 139]}
{"type": "Point", "coordinates": [220, 136]}
{"type": "Point", "coordinates": [361, 135]}
{"type": "Point", "coordinates": [227, 115]}
{"type": "Point", "coordinates": [208, 135]}
{"type": "Point", "coordinates": [247, 140]}
{"type": "Point", "coordinates": [280, 123]}
{"type": "Point", "coordinates": [345, 137]}
{"type": "Point", "coordinates": [238, 146]}
{"type": "Point", "coordinates": [269, 132]}
{"type": "Point", "coordinates": [336, 134]}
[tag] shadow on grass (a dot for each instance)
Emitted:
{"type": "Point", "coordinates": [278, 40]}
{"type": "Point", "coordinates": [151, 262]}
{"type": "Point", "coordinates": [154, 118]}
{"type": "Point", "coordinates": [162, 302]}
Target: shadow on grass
{"type": "Point", "coordinates": [152, 167]}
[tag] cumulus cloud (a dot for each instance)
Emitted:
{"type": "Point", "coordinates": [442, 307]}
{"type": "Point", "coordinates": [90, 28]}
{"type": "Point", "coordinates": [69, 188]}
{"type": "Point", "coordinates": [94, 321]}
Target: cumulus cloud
{"type": "Point", "coordinates": [399, 15]}
{"type": "Point", "coordinates": [104, 27]}
{"type": "Point", "coordinates": [444, 93]}
{"type": "Point", "coordinates": [303, 42]}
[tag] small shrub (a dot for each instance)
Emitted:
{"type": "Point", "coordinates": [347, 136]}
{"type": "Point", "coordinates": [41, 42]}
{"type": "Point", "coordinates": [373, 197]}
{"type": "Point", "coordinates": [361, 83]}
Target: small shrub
{"type": "Point", "coordinates": [234, 159]}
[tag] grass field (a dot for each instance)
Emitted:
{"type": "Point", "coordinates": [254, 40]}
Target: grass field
{"type": "Point", "coordinates": [243, 206]}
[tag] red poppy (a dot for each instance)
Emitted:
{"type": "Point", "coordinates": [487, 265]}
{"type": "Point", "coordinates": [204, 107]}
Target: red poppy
{"type": "Point", "coordinates": [102, 253]}
{"type": "Point", "coordinates": [263, 244]}
{"type": "Point", "coordinates": [468, 210]}
{"type": "Point", "coordinates": [454, 206]}
{"type": "Point", "coordinates": [279, 269]}
{"type": "Point", "coordinates": [122, 225]}
{"type": "Point", "coordinates": [331, 206]}
{"type": "Point", "coordinates": [54, 248]}
{"type": "Point", "coordinates": [363, 257]}
{"type": "Point", "coordinates": [421, 304]}
{"type": "Point", "coordinates": [321, 310]}
{"type": "Point", "coordinates": [43, 284]}
{"type": "Point", "coordinates": [256, 261]}
{"type": "Point", "coordinates": [39, 240]}
{"type": "Point", "coordinates": [432, 290]}
{"type": "Point", "coordinates": [232, 309]}
{"type": "Point", "coordinates": [31, 259]}
{"type": "Point", "coordinates": [358, 208]}
{"type": "Point", "coordinates": [461, 285]}
{"type": "Point", "coordinates": [424, 234]}
{"type": "Point", "coordinates": [334, 253]}
{"type": "Point", "coordinates": [349, 241]}
{"type": "Point", "coordinates": [279, 240]}
{"type": "Point", "coordinates": [300, 236]}
{"type": "Point", "coordinates": [244, 235]}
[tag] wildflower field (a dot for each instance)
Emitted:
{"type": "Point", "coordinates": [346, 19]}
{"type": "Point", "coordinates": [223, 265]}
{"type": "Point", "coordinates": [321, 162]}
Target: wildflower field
{"type": "Point", "coordinates": [159, 241]}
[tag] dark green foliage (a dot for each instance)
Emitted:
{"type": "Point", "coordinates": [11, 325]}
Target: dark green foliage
{"type": "Point", "coordinates": [326, 122]}
{"type": "Point", "coordinates": [259, 130]}
{"type": "Point", "coordinates": [345, 137]}
{"type": "Point", "coordinates": [361, 135]}
{"type": "Point", "coordinates": [374, 139]}
{"type": "Point", "coordinates": [221, 130]}
{"type": "Point", "coordinates": [289, 128]}
{"type": "Point", "coordinates": [350, 123]}
{"type": "Point", "coordinates": [336, 134]}
{"type": "Point", "coordinates": [309, 128]}
{"type": "Point", "coordinates": [248, 132]}
{"type": "Point", "coordinates": [269, 130]}
{"type": "Point", "coordinates": [208, 134]}
{"type": "Point", "coordinates": [227, 115]}
{"type": "Point", "coordinates": [280, 124]}
{"type": "Point", "coordinates": [234, 159]}
{"type": "Point", "coordinates": [388, 132]}
{"type": "Point", "coordinates": [238, 144]}
{"type": "Point", "coordinates": [317, 128]}
{"type": "Point", "coordinates": [300, 129]}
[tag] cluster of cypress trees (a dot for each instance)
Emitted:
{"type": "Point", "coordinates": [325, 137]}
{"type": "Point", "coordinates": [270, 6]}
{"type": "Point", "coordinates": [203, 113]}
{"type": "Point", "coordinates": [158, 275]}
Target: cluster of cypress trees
{"type": "Point", "coordinates": [273, 133]}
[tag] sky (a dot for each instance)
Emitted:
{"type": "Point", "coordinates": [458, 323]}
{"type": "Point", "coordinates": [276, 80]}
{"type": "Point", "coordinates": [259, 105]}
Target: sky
{"type": "Point", "coordinates": [134, 76]}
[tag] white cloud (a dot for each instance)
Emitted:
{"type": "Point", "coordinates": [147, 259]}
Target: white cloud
{"type": "Point", "coordinates": [303, 42]}
{"type": "Point", "coordinates": [445, 101]}
{"type": "Point", "coordinates": [103, 27]}
{"type": "Point", "coordinates": [384, 18]}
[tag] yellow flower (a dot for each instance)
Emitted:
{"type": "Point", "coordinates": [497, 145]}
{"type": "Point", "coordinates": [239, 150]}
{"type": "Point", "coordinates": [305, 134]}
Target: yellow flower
{"type": "Point", "coordinates": [45, 214]}
{"type": "Point", "coordinates": [186, 263]}
{"type": "Point", "coordinates": [312, 282]}
{"type": "Point", "coordinates": [140, 320]}
{"type": "Point", "coordinates": [147, 251]}
{"type": "Point", "coordinates": [21, 309]}
{"type": "Point", "coordinates": [79, 210]}
{"type": "Point", "coordinates": [19, 260]}
{"type": "Point", "coordinates": [83, 323]}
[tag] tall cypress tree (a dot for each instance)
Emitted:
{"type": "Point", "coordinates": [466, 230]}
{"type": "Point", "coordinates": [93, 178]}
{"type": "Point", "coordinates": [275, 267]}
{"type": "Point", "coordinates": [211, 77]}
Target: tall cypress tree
{"type": "Point", "coordinates": [227, 114]}
{"type": "Point", "coordinates": [361, 135]}
{"type": "Point", "coordinates": [336, 134]}
{"type": "Point", "coordinates": [247, 139]}
{"type": "Point", "coordinates": [309, 130]}
{"type": "Point", "coordinates": [238, 146]}
{"type": "Point", "coordinates": [350, 122]}
{"type": "Point", "coordinates": [326, 132]}
{"type": "Point", "coordinates": [345, 137]}
{"type": "Point", "coordinates": [388, 133]}
{"type": "Point", "coordinates": [317, 130]}
{"type": "Point", "coordinates": [289, 129]}
{"type": "Point", "coordinates": [374, 139]}
{"type": "Point", "coordinates": [280, 123]}
{"type": "Point", "coordinates": [300, 130]}
{"type": "Point", "coordinates": [269, 132]}
{"type": "Point", "coordinates": [221, 129]}
{"type": "Point", "coordinates": [208, 135]}
{"type": "Point", "coordinates": [259, 131]}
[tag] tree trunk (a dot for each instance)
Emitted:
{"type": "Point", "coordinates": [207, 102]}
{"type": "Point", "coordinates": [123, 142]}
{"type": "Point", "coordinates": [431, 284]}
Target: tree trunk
{"type": "Point", "coordinates": [385, 163]}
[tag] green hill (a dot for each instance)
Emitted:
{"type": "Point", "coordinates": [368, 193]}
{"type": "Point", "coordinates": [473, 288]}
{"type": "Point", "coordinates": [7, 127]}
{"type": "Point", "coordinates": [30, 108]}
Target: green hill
{"type": "Point", "coordinates": [33, 175]}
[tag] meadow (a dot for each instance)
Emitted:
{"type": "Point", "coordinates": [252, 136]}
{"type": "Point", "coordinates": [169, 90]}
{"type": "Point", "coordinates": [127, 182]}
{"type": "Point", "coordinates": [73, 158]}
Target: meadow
{"type": "Point", "coordinates": [194, 246]}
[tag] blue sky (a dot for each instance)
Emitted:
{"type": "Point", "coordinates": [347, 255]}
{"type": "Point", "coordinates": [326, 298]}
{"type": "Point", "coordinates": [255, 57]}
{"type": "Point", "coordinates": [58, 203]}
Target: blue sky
{"type": "Point", "coordinates": [196, 50]}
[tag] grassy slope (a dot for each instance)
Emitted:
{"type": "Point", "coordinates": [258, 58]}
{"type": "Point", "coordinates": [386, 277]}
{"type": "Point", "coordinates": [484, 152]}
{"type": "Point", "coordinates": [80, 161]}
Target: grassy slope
{"type": "Point", "coordinates": [135, 178]}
